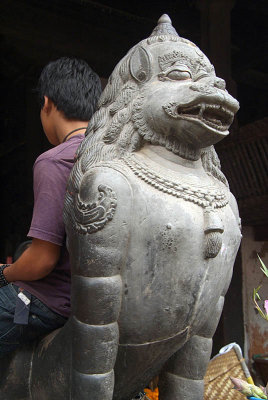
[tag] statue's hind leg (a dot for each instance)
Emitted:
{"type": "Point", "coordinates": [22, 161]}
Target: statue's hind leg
{"type": "Point", "coordinates": [182, 377]}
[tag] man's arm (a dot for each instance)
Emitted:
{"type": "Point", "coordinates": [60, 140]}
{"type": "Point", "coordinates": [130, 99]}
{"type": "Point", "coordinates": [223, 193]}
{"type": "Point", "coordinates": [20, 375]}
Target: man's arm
{"type": "Point", "coordinates": [37, 261]}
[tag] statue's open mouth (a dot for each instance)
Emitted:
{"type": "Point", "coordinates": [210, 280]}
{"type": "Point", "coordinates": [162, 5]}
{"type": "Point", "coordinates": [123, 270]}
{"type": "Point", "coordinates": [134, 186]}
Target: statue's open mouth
{"type": "Point", "coordinates": [217, 117]}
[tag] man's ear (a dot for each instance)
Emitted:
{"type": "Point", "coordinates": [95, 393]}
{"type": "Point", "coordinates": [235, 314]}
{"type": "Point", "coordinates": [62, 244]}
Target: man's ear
{"type": "Point", "coordinates": [48, 104]}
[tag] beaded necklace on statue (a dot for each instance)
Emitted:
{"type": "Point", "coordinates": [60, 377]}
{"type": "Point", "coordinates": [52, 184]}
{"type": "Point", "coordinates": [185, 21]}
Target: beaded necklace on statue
{"type": "Point", "coordinates": [209, 198]}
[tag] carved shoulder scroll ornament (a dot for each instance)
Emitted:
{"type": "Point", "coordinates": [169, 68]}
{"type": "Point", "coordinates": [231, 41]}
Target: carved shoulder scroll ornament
{"type": "Point", "coordinates": [91, 217]}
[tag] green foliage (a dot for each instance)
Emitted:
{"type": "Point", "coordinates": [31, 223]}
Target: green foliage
{"type": "Point", "coordinates": [263, 267]}
{"type": "Point", "coordinates": [256, 296]}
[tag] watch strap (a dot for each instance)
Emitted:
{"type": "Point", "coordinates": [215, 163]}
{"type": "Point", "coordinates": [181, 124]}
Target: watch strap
{"type": "Point", "coordinates": [3, 281]}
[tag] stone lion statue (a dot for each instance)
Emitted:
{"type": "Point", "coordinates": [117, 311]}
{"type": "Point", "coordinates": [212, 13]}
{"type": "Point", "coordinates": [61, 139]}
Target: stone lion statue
{"type": "Point", "coordinates": [152, 230]}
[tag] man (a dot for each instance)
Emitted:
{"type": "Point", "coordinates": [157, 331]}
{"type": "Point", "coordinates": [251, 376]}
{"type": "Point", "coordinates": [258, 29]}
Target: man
{"type": "Point", "coordinates": [35, 289]}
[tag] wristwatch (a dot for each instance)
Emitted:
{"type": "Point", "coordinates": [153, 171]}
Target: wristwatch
{"type": "Point", "coordinates": [3, 281]}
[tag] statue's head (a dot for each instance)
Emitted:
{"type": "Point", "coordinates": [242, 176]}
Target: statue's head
{"type": "Point", "coordinates": [164, 92]}
{"type": "Point", "coordinates": [182, 101]}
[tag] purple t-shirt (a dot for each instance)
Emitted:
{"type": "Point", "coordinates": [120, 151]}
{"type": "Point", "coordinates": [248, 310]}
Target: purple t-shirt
{"type": "Point", "coordinates": [51, 172]}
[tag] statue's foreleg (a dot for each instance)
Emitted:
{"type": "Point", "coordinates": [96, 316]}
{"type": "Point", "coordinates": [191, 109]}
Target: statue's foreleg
{"type": "Point", "coordinates": [95, 338]}
{"type": "Point", "coordinates": [182, 378]}
{"type": "Point", "coordinates": [98, 257]}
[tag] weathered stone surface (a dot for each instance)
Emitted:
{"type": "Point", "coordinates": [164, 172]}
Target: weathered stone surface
{"type": "Point", "coordinates": [153, 232]}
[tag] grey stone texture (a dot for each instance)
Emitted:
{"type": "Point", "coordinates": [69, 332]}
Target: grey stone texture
{"type": "Point", "coordinates": [153, 233]}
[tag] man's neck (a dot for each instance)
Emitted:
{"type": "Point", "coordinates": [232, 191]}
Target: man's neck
{"type": "Point", "coordinates": [70, 128]}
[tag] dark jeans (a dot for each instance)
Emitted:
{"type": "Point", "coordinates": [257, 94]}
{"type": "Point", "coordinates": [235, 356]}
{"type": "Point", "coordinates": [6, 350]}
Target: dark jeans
{"type": "Point", "coordinates": [41, 321]}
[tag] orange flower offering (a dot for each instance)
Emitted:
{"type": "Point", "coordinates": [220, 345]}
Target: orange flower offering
{"type": "Point", "coordinates": [152, 395]}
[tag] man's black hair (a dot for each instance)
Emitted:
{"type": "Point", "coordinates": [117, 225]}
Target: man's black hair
{"type": "Point", "coordinates": [73, 87]}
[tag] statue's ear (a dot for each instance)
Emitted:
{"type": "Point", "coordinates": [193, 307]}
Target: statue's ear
{"type": "Point", "coordinates": [140, 66]}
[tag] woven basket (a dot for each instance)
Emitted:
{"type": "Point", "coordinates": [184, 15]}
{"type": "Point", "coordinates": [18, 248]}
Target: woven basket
{"type": "Point", "coordinates": [218, 385]}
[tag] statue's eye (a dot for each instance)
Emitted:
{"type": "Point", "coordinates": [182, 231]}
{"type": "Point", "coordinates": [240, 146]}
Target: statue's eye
{"type": "Point", "coordinates": [178, 75]}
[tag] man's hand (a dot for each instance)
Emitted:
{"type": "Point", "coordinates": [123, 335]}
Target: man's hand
{"type": "Point", "coordinates": [37, 261]}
